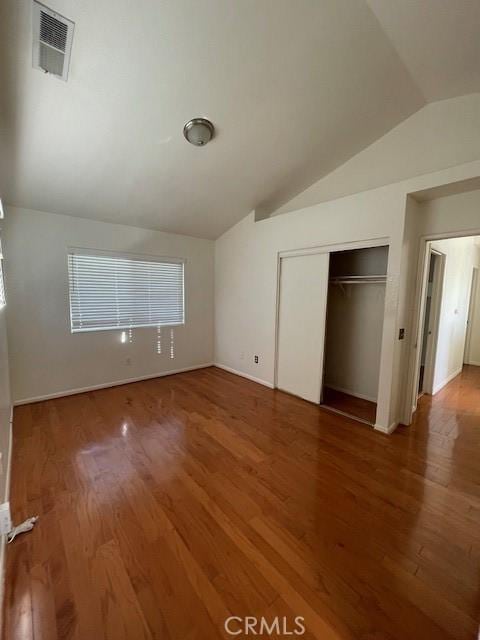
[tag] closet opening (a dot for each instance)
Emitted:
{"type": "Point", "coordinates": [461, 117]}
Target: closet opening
{"type": "Point", "coordinates": [354, 328]}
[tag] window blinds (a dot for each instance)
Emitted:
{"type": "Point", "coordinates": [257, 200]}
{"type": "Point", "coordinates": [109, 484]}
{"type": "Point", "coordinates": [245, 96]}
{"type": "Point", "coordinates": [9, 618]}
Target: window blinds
{"type": "Point", "coordinates": [109, 291]}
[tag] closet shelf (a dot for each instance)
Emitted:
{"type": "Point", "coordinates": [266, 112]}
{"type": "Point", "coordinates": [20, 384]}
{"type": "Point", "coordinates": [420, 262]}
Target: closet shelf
{"type": "Point", "coordinates": [378, 279]}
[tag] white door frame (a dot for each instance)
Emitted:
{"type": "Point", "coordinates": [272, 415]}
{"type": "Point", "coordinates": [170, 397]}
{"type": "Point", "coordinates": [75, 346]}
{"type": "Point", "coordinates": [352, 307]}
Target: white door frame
{"type": "Point", "coordinates": [410, 404]}
{"type": "Point", "coordinates": [328, 248]}
{"type": "Point", "coordinates": [471, 307]}
{"type": "Point", "coordinates": [434, 319]}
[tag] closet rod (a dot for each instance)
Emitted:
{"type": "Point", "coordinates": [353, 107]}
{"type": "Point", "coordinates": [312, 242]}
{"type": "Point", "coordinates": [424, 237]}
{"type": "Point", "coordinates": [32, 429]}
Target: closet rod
{"type": "Point", "coordinates": [359, 280]}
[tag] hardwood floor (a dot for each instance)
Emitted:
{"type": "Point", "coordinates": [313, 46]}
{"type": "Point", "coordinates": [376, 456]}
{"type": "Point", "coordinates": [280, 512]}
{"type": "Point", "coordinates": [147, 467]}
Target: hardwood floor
{"type": "Point", "coordinates": [168, 505]}
{"type": "Point", "coordinates": [353, 406]}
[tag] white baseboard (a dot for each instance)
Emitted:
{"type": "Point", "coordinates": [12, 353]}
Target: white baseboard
{"type": "Point", "coordinates": [473, 363]}
{"type": "Point", "coordinates": [388, 430]}
{"type": "Point", "coordinates": [442, 384]}
{"type": "Point", "coordinates": [106, 385]}
{"type": "Point", "coordinates": [243, 375]}
{"type": "Point", "coordinates": [350, 393]}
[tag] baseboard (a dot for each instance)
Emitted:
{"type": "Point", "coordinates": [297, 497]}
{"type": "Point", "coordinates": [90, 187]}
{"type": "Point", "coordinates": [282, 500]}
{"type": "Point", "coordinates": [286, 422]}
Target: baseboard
{"type": "Point", "coordinates": [444, 383]}
{"type": "Point", "coordinates": [388, 430]}
{"type": "Point", "coordinates": [350, 393]}
{"type": "Point", "coordinates": [106, 385]}
{"type": "Point", "coordinates": [473, 363]}
{"type": "Point", "coordinates": [243, 375]}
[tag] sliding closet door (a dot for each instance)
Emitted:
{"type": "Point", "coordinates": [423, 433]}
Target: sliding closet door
{"type": "Point", "coordinates": [301, 324]}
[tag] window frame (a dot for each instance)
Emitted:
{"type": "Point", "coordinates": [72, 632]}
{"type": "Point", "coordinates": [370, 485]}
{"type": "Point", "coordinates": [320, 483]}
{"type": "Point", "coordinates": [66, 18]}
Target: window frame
{"type": "Point", "coordinates": [144, 257]}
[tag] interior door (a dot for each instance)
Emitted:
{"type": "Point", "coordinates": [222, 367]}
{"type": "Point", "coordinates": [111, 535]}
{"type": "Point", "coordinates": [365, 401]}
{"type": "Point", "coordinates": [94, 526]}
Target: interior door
{"type": "Point", "coordinates": [427, 324]}
{"type": "Point", "coordinates": [301, 324]}
{"type": "Point", "coordinates": [471, 307]}
{"type": "Point", "coordinates": [438, 260]}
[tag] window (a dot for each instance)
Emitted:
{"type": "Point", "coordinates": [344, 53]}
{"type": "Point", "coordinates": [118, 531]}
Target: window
{"type": "Point", "coordinates": [110, 291]}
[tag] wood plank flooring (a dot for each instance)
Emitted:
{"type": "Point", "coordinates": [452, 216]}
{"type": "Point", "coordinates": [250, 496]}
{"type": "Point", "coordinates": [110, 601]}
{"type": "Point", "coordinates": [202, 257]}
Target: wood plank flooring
{"type": "Point", "coordinates": [353, 406]}
{"type": "Point", "coordinates": [168, 505]}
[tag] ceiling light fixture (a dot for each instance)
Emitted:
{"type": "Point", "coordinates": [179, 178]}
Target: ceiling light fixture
{"type": "Point", "coordinates": [198, 131]}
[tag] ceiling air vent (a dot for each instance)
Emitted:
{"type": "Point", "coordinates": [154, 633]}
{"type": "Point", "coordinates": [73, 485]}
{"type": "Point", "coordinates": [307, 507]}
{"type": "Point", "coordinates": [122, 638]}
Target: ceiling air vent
{"type": "Point", "coordinates": [52, 41]}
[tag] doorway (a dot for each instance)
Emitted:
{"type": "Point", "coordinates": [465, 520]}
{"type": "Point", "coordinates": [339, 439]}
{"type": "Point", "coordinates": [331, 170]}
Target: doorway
{"type": "Point", "coordinates": [467, 356]}
{"type": "Point", "coordinates": [354, 328]}
{"type": "Point", "coordinates": [351, 280]}
{"type": "Point", "coordinates": [433, 302]}
{"type": "Point", "coordinates": [439, 336]}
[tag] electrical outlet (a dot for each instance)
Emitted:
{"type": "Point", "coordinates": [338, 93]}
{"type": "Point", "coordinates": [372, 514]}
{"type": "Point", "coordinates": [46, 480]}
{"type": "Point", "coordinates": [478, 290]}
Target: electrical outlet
{"type": "Point", "coordinates": [255, 359]}
{"type": "Point", "coordinates": [5, 519]}
{"type": "Point", "coordinates": [128, 361]}
{"type": "Point", "coordinates": [242, 355]}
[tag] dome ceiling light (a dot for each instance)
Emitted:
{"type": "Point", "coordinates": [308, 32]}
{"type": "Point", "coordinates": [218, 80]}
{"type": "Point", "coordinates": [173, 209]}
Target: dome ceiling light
{"type": "Point", "coordinates": [199, 131]}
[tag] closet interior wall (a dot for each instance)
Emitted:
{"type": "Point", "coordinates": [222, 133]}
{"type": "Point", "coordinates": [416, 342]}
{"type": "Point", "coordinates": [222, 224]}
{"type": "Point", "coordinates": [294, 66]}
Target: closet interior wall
{"type": "Point", "coordinates": [355, 312]}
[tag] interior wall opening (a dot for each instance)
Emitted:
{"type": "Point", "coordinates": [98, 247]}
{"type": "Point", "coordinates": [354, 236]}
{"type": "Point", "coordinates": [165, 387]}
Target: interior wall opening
{"type": "Point", "coordinates": [448, 336]}
{"type": "Point", "coordinates": [331, 310]}
{"type": "Point", "coordinates": [354, 328]}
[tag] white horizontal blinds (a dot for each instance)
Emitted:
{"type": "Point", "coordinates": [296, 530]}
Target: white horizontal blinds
{"type": "Point", "coordinates": [120, 292]}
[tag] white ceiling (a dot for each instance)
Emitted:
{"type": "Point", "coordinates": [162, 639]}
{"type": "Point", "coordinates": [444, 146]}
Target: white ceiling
{"type": "Point", "coordinates": [295, 88]}
{"type": "Point", "coordinates": [439, 41]}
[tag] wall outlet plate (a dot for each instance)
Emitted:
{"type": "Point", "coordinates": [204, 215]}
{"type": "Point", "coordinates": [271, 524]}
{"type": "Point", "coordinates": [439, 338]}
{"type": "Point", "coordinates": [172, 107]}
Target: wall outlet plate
{"type": "Point", "coordinates": [5, 519]}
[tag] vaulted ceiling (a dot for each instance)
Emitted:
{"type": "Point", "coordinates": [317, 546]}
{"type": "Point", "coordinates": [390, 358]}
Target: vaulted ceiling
{"type": "Point", "coordinates": [294, 88]}
{"type": "Point", "coordinates": [438, 40]}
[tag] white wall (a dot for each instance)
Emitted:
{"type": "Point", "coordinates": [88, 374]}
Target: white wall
{"type": "Point", "coordinates": [450, 214]}
{"type": "Point", "coordinates": [440, 135]}
{"type": "Point", "coordinates": [407, 309]}
{"type": "Point", "coordinates": [459, 261]}
{"type": "Point", "coordinates": [354, 339]}
{"type": "Point", "coordinates": [45, 358]}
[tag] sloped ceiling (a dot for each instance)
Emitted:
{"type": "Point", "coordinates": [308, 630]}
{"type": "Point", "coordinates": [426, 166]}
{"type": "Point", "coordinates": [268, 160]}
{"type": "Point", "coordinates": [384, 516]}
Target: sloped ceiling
{"type": "Point", "coordinates": [294, 89]}
{"type": "Point", "coordinates": [440, 135]}
{"type": "Point", "coordinates": [438, 40]}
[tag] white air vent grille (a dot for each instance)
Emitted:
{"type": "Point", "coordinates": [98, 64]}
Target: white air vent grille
{"type": "Point", "coordinates": [52, 31]}
{"type": "Point", "coordinates": [51, 60]}
{"type": "Point", "coordinates": [52, 41]}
